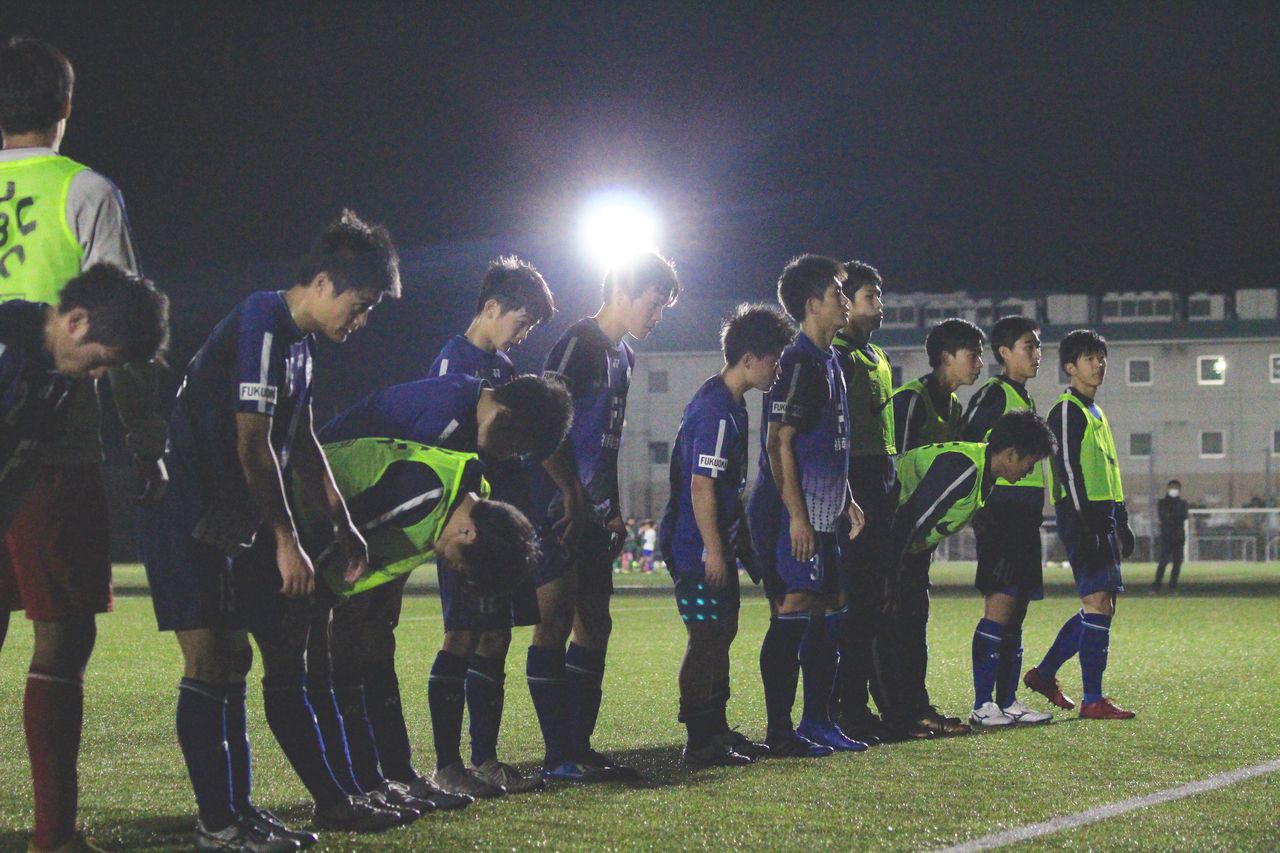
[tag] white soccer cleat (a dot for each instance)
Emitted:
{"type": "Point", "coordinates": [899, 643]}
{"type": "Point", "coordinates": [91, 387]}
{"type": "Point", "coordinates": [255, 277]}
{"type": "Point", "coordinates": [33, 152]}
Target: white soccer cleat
{"type": "Point", "coordinates": [990, 716]}
{"type": "Point", "coordinates": [1024, 716]}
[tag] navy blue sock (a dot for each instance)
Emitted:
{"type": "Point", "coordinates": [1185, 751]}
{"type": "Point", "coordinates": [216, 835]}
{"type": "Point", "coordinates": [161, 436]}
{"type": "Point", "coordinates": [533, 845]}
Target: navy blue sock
{"type": "Point", "coordinates": [833, 624]}
{"type": "Point", "coordinates": [202, 734]}
{"type": "Point", "coordinates": [321, 697]}
{"type": "Point", "coordinates": [447, 698]}
{"type": "Point", "coordinates": [238, 749]}
{"type": "Point", "coordinates": [818, 665]}
{"type": "Point", "coordinates": [780, 668]}
{"type": "Point", "coordinates": [1009, 673]}
{"type": "Point", "coordinates": [385, 716]}
{"type": "Point", "coordinates": [362, 750]}
{"type": "Point", "coordinates": [700, 721]}
{"type": "Point", "coordinates": [293, 722]}
{"type": "Point", "coordinates": [986, 659]}
{"type": "Point", "coordinates": [486, 690]}
{"type": "Point", "coordinates": [1095, 638]}
{"type": "Point", "coordinates": [545, 670]}
{"type": "Point", "coordinates": [584, 672]}
{"type": "Point", "coordinates": [1066, 645]}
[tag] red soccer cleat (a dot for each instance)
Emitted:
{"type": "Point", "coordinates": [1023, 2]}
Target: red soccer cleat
{"type": "Point", "coordinates": [1048, 688]}
{"type": "Point", "coordinates": [1104, 709]}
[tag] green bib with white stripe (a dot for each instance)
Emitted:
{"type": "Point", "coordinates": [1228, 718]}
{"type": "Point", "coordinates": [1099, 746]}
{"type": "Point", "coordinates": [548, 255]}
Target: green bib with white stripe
{"type": "Point", "coordinates": [1013, 402]}
{"type": "Point", "coordinates": [39, 253]}
{"type": "Point", "coordinates": [1098, 458]}
{"type": "Point", "coordinates": [937, 428]}
{"type": "Point", "coordinates": [870, 387]}
{"type": "Point", "coordinates": [912, 468]}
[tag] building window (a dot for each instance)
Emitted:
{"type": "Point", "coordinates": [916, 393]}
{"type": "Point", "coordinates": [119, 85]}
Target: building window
{"type": "Point", "coordinates": [896, 370]}
{"type": "Point", "coordinates": [1275, 442]}
{"type": "Point", "coordinates": [659, 452]}
{"type": "Point", "coordinates": [657, 382]}
{"type": "Point", "coordinates": [1213, 444]}
{"type": "Point", "coordinates": [1211, 370]}
{"type": "Point", "coordinates": [1139, 371]}
{"type": "Point", "coordinates": [1275, 368]}
{"type": "Point", "coordinates": [1139, 445]}
{"type": "Point", "coordinates": [1199, 307]}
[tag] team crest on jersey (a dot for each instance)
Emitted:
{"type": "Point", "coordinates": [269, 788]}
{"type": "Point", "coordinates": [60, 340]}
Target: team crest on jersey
{"type": "Point", "coordinates": [716, 463]}
{"type": "Point", "coordinates": [252, 392]}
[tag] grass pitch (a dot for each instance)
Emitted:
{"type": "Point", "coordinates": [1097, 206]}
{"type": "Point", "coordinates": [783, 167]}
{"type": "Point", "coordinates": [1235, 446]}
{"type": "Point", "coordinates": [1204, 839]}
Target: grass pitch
{"type": "Point", "coordinates": [1199, 667]}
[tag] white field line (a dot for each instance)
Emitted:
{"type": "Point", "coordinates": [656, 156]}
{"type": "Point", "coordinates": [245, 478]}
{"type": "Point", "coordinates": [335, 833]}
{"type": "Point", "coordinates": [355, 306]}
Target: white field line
{"type": "Point", "coordinates": [1057, 824]}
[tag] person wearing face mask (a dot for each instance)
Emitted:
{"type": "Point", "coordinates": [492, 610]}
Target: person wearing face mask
{"type": "Point", "coordinates": [1172, 511]}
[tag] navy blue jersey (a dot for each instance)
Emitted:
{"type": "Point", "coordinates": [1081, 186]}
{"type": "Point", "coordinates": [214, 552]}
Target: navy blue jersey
{"type": "Point", "coordinates": [459, 355]}
{"type": "Point", "coordinates": [256, 360]}
{"type": "Point", "coordinates": [597, 373]}
{"type": "Point", "coordinates": [437, 412]}
{"type": "Point", "coordinates": [33, 398]}
{"type": "Point", "coordinates": [810, 396]}
{"type": "Point", "coordinates": [711, 442]}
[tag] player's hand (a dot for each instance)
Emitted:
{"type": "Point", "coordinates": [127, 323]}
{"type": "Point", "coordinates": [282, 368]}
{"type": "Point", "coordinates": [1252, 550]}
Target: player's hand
{"type": "Point", "coordinates": [153, 480]}
{"type": "Point", "coordinates": [857, 520]}
{"type": "Point", "coordinates": [356, 551]}
{"type": "Point", "coordinates": [577, 515]}
{"type": "Point", "coordinates": [296, 572]}
{"type": "Point", "coordinates": [804, 540]}
{"type": "Point", "coordinates": [1127, 540]}
{"type": "Point", "coordinates": [617, 529]}
{"type": "Point", "coordinates": [717, 571]}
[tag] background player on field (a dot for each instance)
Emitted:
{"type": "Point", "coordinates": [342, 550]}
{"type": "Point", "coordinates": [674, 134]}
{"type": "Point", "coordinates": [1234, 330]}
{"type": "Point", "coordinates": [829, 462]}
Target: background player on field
{"type": "Point", "coordinates": [240, 430]}
{"type": "Point", "coordinates": [801, 492]}
{"type": "Point", "coordinates": [874, 484]}
{"type": "Point", "coordinates": [942, 486]}
{"type": "Point", "coordinates": [60, 218]}
{"type": "Point", "coordinates": [1093, 524]}
{"type": "Point", "coordinates": [703, 527]}
{"type": "Point", "coordinates": [926, 410]}
{"type": "Point", "coordinates": [527, 416]}
{"type": "Point", "coordinates": [1010, 559]}
{"type": "Point", "coordinates": [581, 519]}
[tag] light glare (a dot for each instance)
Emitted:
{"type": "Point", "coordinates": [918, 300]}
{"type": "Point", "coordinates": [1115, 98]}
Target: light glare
{"type": "Point", "coordinates": [616, 227]}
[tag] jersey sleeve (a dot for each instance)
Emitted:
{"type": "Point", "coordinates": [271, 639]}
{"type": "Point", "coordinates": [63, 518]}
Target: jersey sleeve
{"type": "Point", "coordinates": [985, 409]}
{"type": "Point", "coordinates": [708, 451]}
{"type": "Point", "coordinates": [804, 392]}
{"type": "Point", "coordinates": [260, 366]}
{"type": "Point", "coordinates": [96, 212]}
{"type": "Point", "coordinates": [949, 478]}
{"type": "Point", "coordinates": [1068, 423]}
{"type": "Point", "coordinates": [575, 361]}
{"type": "Point", "coordinates": [908, 418]}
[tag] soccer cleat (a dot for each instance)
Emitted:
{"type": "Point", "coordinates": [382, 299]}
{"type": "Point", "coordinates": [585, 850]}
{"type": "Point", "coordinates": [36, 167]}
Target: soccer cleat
{"type": "Point", "coordinates": [397, 799]}
{"type": "Point", "coordinates": [1104, 709]}
{"type": "Point", "coordinates": [829, 734]}
{"type": "Point", "coordinates": [241, 837]}
{"type": "Point", "coordinates": [1048, 688]}
{"type": "Point", "coordinates": [912, 730]}
{"type": "Point", "coordinates": [77, 843]}
{"type": "Point", "coordinates": [507, 777]}
{"type": "Point", "coordinates": [714, 753]}
{"type": "Point", "coordinates": [1024, 716]}
{"type": "Point", "coordinates": [614, 768]}
{"type": "Point", "coordinates": [864, 726]}
{"type": "Point", "coordinates": [572, 771]}
{"type": "Point", "coordinates": [942, 726]}
{"type": "Point", "coordinates": [269, 822]}
{"type": "Point", "coordinates": [356, 814]}
{"type": "Point", "coordinates": [742, 745]}
{"type": "Point", "coordinates": [422, 789]}
{"type": "Point", "coordinates": [792, 745]}
{"type": "Point", "coordinates": [990, 716]}
{"type": "Point", "coordinates": [456, 779]}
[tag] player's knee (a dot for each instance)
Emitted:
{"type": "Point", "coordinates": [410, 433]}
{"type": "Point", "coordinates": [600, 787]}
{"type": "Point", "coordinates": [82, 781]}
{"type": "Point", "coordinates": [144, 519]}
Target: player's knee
{"type": "Point", "coordinates": [493, 644]}
{"type": "Point", "coordinates": [64, 647]}
{"type": "Point", "coordinates": [459, 643]}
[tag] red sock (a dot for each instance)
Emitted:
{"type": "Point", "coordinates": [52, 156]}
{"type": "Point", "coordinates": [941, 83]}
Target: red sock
{"type": "Point", "coordinates": [52, 713]}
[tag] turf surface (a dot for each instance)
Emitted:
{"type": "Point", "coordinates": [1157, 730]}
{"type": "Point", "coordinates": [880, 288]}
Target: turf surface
{"type": "Point", "coordinates": [1199, 667]}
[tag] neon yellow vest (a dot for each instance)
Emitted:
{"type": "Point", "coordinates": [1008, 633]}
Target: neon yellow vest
{"type": "Point", "coordinates": [912, 467]}
{"type": "Point", "coordinates": [1098, 458]}
{"type": "Point", "coordinates": [38, 251]}
{"type": "Point", "coordinates": [870, 387]}
{"type": "Point", "coordinates": [394, 550]}
{"type": "Point", "coordinates": [937, 428]}
{"type": "Point", "coordinates": [1013, 402]}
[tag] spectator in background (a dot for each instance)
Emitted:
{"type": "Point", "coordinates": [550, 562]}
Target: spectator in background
{"type": "Point", "coordinates": [1172, 512]}
{"type": "Point", "coordinates": [648, 544]}
{"type": "Point", "coordinates": [629, 548]}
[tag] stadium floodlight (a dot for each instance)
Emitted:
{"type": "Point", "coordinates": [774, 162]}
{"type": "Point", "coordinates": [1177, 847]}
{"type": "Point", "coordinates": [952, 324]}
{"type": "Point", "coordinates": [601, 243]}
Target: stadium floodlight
{"type": "Point", "coordinates": [617, 225]}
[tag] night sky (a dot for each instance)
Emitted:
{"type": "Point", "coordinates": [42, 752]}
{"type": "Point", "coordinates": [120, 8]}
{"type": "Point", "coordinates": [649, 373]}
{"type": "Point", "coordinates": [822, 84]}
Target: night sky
{"type": "Point", "coordinates": [985, 146]}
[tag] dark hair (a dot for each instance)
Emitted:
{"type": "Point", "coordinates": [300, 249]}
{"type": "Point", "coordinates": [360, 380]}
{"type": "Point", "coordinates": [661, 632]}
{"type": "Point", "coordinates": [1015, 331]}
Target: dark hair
{"type": "Point", "coordinates": [759, 329]}
{"type": "Point", "coordinates": [1025, 432]}
{"type": "Point", "coordinates": [1008, 331]}
{"type": "Point", "coordinates": [951, 336]}
{"type": "Point", "coordinates": [1174, 483]}
{"type": "Point", "coordinates": [540, 410]}
{"type": "Point", "coordinates": [505, 550]}
{"type": "Point", "coordinates": [807, 277]}
{"type": "Point", "coordinates": [1080, 342]}
{"type": "Point", "coordinates": [637, 276]}
{"type": "Point", "coordinates": [516, 284]}
{"type": "Point", "coordinates": [126, 311]}
{"type": "Point", "coordinates": [355, 254]}
{"type": "Point", "coordinates": [860, 274]}
{"type": "Point", "coordinates": [35, 83]}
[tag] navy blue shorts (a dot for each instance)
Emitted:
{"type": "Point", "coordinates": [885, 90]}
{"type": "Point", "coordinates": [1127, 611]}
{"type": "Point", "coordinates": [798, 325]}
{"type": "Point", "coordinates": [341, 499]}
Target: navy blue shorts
{"type": "Point", "coordinates": [697, 603]}
{"type": "Point", "coordinates": [190, 581]}
{"type": "Point", "coordinates": [1095, 566]}
{"type": "Point", "coordinates": [820, 573]}
{"type": "Point", "coordinates": [592, 559]}
{"type": "Point", "coordinates": [1011, 555]}
{"type": "Point", "coordinates": [262, 608]}
{"type": "Point", "coordinates": [466, 611]}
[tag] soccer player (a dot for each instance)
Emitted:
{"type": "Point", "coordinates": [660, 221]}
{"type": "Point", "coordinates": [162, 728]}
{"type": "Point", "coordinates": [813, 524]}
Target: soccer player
{"type": "Point", "coordinates": [703, 527]}
{"type": "Point", "coordinates": [525, 417]}
{"type": "Point", "coordinates": [60, 218]}
{"type": "Point", "coordinates": [926, 410]}
{"type": "Point", "coordinates": [873, 482]}
{"type": "Point", "coordinates": [581, 517]}
{"type": "Point", "coordinates": [240, 429]}
{"type": "Point", "coordinates": [1093, 524]}
{"type": "Point", "coordinates": [1172, 513]}
{"type": "Point", "coordinates": [1010, 561]}
{"type": "Point", "coordinates": [801, 491]}
{"type": "Point", "coordinates": [942, 486]}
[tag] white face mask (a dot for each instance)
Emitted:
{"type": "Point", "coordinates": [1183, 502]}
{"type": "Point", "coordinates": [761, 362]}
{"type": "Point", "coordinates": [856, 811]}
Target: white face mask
{"type": "Point", "coordinates": [1173, 493]}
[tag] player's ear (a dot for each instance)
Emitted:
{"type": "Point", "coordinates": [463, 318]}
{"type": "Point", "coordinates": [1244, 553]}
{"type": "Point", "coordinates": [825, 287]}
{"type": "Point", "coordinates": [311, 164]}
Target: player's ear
{"type": "Point", "coordinates": [76, 322]}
